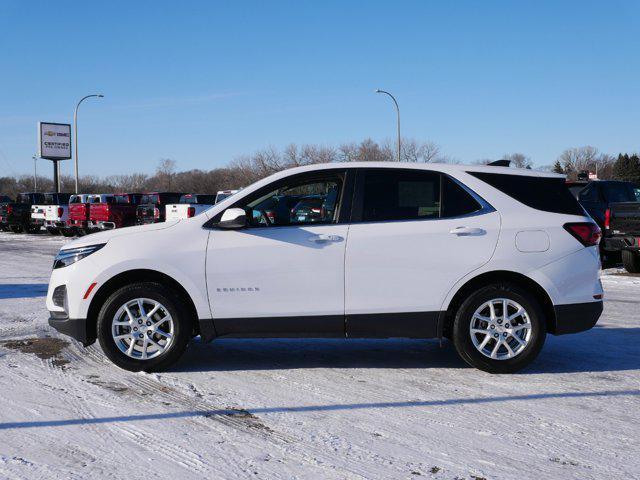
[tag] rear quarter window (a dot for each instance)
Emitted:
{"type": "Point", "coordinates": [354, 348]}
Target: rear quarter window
{"type": "Point", "coordinates": [548, 194]}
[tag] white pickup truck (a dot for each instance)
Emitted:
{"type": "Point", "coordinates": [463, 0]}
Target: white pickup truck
{"type": "Point", "coordinates": [56, 213]}
{"type": "Point", "coordinates": [189, 206]}
{"type": "Point", "coordinates": [49, 213]}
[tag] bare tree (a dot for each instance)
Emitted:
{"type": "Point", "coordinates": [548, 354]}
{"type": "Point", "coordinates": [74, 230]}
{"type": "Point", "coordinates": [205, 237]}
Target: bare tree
{"type": "Point", "coordinates": [165, 172]}
{"type": "Point", "coordinates": [518, 160]}
{"type": "Point", "coordinates": [575, 160]}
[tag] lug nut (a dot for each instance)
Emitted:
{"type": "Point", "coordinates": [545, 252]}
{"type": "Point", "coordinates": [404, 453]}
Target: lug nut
{"type": "Point", "coordinates": [496, 335]}
{"type": "Point", "coordinates": [135, 329]}
{"type": "Point", "coordinates": [507, 325]}
{"type": "Point", "coordinates": [492, 326]}
{"type": "Point", "coordinates": [504, 334]}
{"type": "Point", "coordinates": [499, 322]}
{"type": "Point", "coordinates": [140, 322]}
{"type": "Point", "coordinates": [148, 324]}
{"type": "Point", "coordinates": [149, 332]}
{"type": "Point", "coordinates": [140, 335]}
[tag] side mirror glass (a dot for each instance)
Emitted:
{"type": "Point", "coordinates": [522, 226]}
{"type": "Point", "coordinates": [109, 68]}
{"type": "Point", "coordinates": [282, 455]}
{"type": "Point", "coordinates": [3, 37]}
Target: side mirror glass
{"type": "Point", "coordinates": [233, 218]}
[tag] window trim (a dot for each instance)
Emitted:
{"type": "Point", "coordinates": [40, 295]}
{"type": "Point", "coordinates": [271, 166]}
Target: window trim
{"type": "Point", "coordinates": [358, 197]}
{"type": "Point", "coordinates": [344, 204]}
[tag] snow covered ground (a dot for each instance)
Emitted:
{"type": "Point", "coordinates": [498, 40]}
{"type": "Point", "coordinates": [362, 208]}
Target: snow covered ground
{"type": "Point", "coordinates": [317, 409]}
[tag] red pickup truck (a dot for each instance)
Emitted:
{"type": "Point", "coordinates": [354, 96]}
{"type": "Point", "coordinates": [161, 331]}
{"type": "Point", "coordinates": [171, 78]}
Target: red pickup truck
{"type": "Point", "coordinates": [118, 211]}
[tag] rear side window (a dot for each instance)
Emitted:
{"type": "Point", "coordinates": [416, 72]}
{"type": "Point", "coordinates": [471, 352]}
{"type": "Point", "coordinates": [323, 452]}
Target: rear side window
{"type": "Point", "coordinates": [542, 193]}
{"type": "Point", "coordinates": [619, 192]}
{"type": "Point", "coordinates": [413, 195]}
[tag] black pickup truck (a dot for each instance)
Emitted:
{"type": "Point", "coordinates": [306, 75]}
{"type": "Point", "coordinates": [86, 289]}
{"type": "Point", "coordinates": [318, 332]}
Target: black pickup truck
{"type": "Point", "coordinates": [16, 216]}
{"type": "Point", "coordinates": [615, 207]}
{"type": "Point", "coordinates": [152, 206]}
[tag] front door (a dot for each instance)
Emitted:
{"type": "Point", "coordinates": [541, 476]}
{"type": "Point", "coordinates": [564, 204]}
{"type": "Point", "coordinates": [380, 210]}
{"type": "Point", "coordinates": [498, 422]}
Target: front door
{"type": "Point", "coordinates": [282, 275]}
{"type": "Point", "coordinates": [414, 234]}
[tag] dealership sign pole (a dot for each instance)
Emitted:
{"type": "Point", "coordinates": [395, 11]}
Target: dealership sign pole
{"type": "Point", "coordinates": [54, 143]}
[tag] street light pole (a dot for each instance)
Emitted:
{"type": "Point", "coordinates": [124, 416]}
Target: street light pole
{"type": "Point", "coordinates": [398, 112]}
{"type": "Point", "coordinates": [75, 133]}
{"type": "Point", "coordinates": [35, 174]}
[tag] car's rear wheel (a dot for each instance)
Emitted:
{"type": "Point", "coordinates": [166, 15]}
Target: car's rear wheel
{"type": "Point", "coordinates": [631, 261]}
{"type": "Point", "coordinates": [68, 232]}
{"type": "Point", "coordinates": [144, 326]}
{"type": "Point", "coordinates": [500, 328]}
{"type": "Point", "coordinates": [53, 231]}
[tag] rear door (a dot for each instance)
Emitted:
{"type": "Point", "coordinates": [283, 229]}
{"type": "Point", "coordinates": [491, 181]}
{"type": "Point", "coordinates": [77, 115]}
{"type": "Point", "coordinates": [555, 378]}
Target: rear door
{"type": "Point", "coordinates": [414, 234]}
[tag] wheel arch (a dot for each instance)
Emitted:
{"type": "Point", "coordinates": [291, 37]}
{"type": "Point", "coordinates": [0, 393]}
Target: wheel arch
{"type": "Point", "coordinates": [496, 276]}
{"type": "Point", "coordinates": [128, 277]}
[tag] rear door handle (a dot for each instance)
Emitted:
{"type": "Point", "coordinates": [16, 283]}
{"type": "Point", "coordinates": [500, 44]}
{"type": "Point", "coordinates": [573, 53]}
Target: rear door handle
{"type": "Point", "coordinates": [323, 238]}
{"type": "Point", "coordinates": [467, 231]}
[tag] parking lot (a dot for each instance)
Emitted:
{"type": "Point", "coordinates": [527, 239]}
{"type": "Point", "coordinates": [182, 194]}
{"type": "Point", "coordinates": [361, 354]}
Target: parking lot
{"type": "Point", "coordinates": [311, 408]}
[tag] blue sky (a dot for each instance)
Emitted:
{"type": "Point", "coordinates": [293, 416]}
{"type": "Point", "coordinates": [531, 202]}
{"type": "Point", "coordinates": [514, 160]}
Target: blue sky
{"type": "Point", "coordinates": [204, 82]}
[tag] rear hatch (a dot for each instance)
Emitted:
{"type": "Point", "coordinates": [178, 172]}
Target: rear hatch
{"type": "Point", "coordinates": [79, 212]}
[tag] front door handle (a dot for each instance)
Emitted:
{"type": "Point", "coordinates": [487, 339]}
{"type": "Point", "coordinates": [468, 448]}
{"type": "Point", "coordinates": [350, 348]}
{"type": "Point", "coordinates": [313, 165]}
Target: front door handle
{"type": "Point", "coordinates": [323, 238]}
{"type": "Point", "coordinates": [467, 231]}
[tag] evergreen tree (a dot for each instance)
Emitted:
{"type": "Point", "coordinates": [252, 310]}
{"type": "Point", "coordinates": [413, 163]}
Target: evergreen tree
{"type": "Point", "coordinates": [557, 167]}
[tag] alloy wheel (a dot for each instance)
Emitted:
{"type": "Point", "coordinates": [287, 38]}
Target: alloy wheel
{"type": "Point", "coordinates": [142, 329]}
{"type": "Point", "coordinates": [500, 329]}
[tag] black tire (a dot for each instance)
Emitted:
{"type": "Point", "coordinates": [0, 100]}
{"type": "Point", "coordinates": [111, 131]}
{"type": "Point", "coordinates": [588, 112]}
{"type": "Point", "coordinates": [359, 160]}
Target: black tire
{"type": "Point", "coordinates": [68, 232]}
{"type": "Point", "coordinates": [631, 261]}
{"type": "Point", "coordinates": [462, 329]}
{"type": "Point", "coordinates": [53, 231]}
{"type": "Point", "coordinates": [16, 228]}
{"type": "Point", "coordinates": [181, 314]}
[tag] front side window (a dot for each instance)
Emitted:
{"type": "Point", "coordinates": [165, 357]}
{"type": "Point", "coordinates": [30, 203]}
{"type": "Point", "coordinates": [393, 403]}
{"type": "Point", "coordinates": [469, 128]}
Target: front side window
{"type": "Point", "coordinates": [312, 202]}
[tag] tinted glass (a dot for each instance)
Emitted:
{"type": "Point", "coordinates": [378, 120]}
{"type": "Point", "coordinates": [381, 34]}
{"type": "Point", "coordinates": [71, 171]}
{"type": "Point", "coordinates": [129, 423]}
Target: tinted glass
{"type": "Point", "coordinates": [400, 195]}
{"type": "Point", "coordinates": [619, 192]}
{"type": "Point", "coordinates": [303, 203]}
{"type": "Point", "coordinates": [548, 194]}
{"type": "Point", "coordinates": [456, 201]}
{"type": "Point", "coordinates": [121, 199]}
{"type": "Point", "coordinates": [589, 194]}
{"type": "Point", "coordinates": [150, 199]}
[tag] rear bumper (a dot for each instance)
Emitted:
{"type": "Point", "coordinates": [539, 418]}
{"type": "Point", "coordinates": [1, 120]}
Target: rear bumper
{"type": "Point", "coordinates": [73, 327]}
{"type": "Point", "coordinates": [576, 317]}
{"type": "Point", "coordinates": [616, 244]}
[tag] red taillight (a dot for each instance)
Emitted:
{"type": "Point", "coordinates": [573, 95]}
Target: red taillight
{"type": "Point", "coordinates": [191, 211]}
{"type": "Point", "coordinates": [9, 209]}
{"type": "Point", "coordinates": [587, 233]}
{"type": "Point", "coordinates": [156, 213]}
{"type": "Point", "coordinates": [60, 211]}
{"type": "Point", "coordinates": [607, 218]}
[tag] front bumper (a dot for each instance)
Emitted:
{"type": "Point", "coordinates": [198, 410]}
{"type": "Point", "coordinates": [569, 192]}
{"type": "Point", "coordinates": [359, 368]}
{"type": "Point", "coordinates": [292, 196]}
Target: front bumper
{"type": "Point", "coordinates": [73, 327]}
{"type": "Point", "coordinates": [576, 317]}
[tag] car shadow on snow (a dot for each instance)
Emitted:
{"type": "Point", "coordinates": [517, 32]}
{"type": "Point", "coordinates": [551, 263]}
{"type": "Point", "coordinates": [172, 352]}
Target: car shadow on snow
{"type": "Point", "coordinates": [597, 350]}
{"type": "Point", "coordinates": [23, 290]}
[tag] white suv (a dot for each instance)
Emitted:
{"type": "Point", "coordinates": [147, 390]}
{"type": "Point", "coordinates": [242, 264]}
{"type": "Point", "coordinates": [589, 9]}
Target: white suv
{"type": "Point", "coordinates": [491, 257]}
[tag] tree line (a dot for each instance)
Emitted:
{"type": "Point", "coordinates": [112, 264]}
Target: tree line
{"type": "Point", "coordinates": [247, 169]}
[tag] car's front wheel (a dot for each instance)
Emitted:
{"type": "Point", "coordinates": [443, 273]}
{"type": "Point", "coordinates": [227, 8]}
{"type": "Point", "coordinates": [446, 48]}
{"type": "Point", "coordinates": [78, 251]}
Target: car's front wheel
{"type": "Point", "coordinates": [144, 326]}
{"type": "Point", "coordinates": [499, 328]}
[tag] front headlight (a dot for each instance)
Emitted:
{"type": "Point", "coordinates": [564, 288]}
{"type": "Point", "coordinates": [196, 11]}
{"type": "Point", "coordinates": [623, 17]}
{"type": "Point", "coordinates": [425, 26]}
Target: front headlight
{"type": "Point", "coordinates": [71, 255]}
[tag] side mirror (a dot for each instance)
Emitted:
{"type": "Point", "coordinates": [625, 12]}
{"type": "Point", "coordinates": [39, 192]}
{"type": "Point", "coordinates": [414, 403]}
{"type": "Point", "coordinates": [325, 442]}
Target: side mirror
{"type": "Point", "coordinates": [233, 218]}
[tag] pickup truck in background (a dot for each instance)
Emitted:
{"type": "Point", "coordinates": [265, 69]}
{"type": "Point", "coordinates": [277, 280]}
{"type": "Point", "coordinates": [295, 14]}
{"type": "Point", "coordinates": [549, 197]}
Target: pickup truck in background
{"type": "Point", "coordinates": [222, 194]}
{"type": "Point", "coordinates": [78, 221]}
{"type": "Point", "coordinates": [616, 209]}
{"type": "Point", "coordinates": [56, 212]}
{"type": "Point", "coordinates": [152, 206]}
{"type": "Point", "coordinates": [119, 210]}
{"type": "Point", "coordinates": [190, 205]}
{"type": "Point", "coordinates": [4, 199]}
{"type": "Point", "coordinates": [17, 215]}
